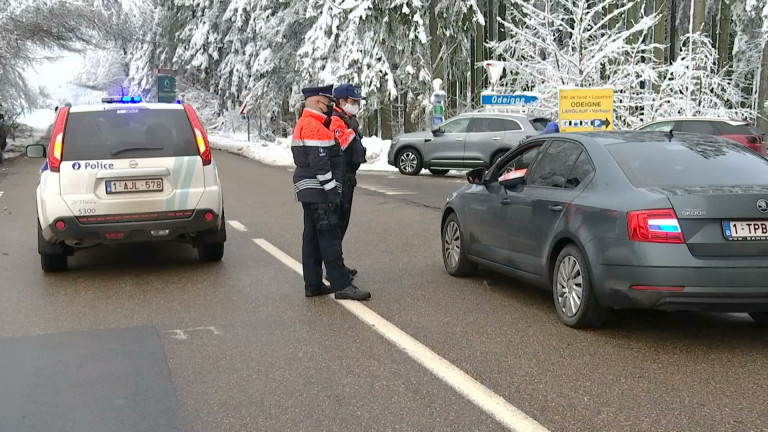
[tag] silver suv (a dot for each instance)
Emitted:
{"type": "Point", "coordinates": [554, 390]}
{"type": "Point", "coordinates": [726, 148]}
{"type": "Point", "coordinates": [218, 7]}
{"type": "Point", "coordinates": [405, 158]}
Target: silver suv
{"type": "Point", "coordinates": [469, 140]}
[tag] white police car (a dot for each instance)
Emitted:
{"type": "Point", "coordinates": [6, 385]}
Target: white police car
{"type": "Point", "coordinates": [127, 171]}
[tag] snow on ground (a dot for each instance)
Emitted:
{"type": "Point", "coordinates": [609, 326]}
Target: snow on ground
{"type": "Point", "coordinates": [279, 152]}
{"type": "Point", "coordinates": [38, 121]}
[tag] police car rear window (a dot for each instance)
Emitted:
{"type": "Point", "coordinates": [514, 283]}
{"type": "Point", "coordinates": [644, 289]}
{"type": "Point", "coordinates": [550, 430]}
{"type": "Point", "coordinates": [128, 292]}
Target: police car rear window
{"type": "Point", "coordinates": [128, 133]}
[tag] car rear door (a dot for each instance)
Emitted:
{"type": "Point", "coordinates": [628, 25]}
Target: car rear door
{"type": "Point", "coordinates": [122, 162]}
{"type": "Point", "coordinates": [485, 137]}
{"type": "Point", "coordinates": [536, 209]}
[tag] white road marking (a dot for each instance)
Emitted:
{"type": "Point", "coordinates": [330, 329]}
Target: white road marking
{"type": "Point", "coordinates": [485, 399]}
{"type": "Point", "coordinates": [386, 190]}
{"type": "Point", "coordinates": [237, 225]}
{"type": "Point", "coordinates": [181, 335]}
{"type": "Point", "coordinates": [1, 194]}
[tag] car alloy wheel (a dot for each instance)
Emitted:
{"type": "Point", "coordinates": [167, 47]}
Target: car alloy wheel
{"type": "Point", "coordinates": [452, 244]}
{"type": "Point", "coordinates": [570, 289]}
{"type": "Point", "coordinates": [408, 161]}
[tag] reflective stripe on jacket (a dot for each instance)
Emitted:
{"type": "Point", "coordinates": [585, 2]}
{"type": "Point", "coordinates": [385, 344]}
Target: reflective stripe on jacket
{"type": "Point", "coordinates": [318, 159]}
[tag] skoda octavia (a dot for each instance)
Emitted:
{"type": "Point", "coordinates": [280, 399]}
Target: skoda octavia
{"type": "Point", "coordinates": [611, 220]}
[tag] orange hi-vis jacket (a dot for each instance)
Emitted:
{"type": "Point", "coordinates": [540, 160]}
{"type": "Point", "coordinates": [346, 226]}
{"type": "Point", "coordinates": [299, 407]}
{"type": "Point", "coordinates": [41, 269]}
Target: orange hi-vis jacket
{"type": "Point", "coordinates": [318, 159]}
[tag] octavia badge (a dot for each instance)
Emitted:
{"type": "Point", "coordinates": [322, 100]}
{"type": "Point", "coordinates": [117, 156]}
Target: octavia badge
{"type": "Point", "coordinates": [762, 205]}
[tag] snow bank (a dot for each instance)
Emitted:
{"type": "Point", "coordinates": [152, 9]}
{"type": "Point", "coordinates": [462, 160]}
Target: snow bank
{"type": "Point", "coordinates": [18, 146]}
{"type": "Point", "coordinates": [278, 152]}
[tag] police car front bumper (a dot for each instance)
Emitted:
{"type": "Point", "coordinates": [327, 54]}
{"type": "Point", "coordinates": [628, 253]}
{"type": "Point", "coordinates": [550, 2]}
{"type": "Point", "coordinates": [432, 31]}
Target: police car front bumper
{"type": "Point", "coordinates": [136, 227]}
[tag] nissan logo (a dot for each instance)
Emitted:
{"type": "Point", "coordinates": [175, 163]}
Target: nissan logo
{"type": "Point", "coordinates": [762, 205]}
{"type": "Point", "coordinates": [134, 164]}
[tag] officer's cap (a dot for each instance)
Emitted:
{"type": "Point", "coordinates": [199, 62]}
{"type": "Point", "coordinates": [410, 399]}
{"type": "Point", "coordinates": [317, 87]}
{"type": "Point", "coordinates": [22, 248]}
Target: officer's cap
{"type": "Point", "coordinates": [346, 91]}
{"type": "Point", "coordinates": [309, 92]}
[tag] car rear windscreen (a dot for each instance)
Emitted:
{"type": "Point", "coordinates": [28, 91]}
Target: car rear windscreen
{"type": "Point", "coordinates": [733, 129]}
{"type": "Point", "coordinates": [128, 133]}
{"type": "Point", "coordinates": [696, 163]}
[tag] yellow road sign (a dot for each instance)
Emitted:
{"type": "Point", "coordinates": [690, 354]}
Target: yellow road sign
{"type": "Point", "coordinates": [586, 109]}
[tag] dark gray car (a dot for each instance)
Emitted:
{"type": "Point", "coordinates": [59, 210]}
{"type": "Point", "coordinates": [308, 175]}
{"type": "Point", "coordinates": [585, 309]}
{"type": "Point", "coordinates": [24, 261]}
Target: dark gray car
{"type": "Point", "coordinates": [620, 220]}
{"type": "Point", "coordinates": [467, 141]}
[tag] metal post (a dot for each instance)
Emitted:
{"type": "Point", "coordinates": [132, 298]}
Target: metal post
{"type": "Point", "coordinates": [249, 126]}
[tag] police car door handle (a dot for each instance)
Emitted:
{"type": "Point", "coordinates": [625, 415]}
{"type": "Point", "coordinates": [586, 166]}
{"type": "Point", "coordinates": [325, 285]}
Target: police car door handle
{"type": "Point", "coordinates": [496, 138]}
{"type": "Point", "coordinates": [506, 201]}
{"type": "Point", "coordinates": [459, 139]}
{"type": "Point", "coordinates": [556, 208]}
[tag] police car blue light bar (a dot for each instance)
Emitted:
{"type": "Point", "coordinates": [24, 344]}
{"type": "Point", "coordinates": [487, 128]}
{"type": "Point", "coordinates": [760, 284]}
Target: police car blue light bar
{"type": "Point", "coordinates": [121, 99]}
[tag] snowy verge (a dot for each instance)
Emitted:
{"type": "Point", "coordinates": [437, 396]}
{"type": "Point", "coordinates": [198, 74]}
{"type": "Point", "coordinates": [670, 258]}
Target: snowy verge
{"type": "Point", "coordinates": [278, 152]}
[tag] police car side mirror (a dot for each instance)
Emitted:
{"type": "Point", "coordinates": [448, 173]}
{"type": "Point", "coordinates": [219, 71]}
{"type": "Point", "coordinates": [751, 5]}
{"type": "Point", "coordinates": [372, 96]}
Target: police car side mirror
{"type": "Point", "coordinates": [36, 151]}
{"type": "Point", "coordinates": [476, 176]}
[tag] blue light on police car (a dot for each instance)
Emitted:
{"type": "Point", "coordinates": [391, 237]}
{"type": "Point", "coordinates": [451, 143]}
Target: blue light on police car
{"type": "Point", "coordinates": [127, 98]}
{"type": "Point", "coordinates": [137, 98]}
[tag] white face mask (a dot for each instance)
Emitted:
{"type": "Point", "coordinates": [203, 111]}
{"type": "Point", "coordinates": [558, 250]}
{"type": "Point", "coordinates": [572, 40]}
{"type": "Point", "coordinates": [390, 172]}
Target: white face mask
{"type": "Point", "coordinates": [352, 110]}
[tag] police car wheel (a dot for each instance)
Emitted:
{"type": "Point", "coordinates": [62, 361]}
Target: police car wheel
{"type": "Point", "coordinates": [438, 172]}
{"type": "Point", "coordinates": [211, 252]}
{"type": "Point", "coordinates": [760, 317]}
{"type": "Point", "coordinates": [455, 260]}
{"type": "Point", "coordinates": [52, 263]}
{"type": "Point", "coordinates": [409, 162]}
{"type": "Point", "coordinates": [572, 291]}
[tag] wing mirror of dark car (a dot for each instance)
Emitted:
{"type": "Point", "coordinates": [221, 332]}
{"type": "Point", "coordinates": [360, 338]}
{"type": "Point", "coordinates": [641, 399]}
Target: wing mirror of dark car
{"type": "Point", "coordinates": [35, 151]}
{"type": "Point", "coordinates": [752, 139]}
{"type": "Point", "coordinates": [476, 176]}
{"type": "Point", "coordinates": [513, 179]}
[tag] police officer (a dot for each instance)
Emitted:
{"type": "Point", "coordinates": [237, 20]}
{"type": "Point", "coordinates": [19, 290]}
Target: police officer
{"type": "Point", "coordinates": [346, 129]}
{"type": "Point", "coordinates": [317, 183]}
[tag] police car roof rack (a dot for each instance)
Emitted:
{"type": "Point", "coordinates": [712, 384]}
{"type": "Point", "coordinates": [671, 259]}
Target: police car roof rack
{"type": "Point", "coordinates": [121, 99]}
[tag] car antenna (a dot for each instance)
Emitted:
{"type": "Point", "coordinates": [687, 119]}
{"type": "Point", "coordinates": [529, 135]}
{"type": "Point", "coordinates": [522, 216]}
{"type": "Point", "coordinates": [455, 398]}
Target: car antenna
{"type": "Point", "coordinates": [670, 135]}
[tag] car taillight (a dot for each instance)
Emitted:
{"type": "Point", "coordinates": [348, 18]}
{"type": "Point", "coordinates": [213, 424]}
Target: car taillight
{"type": "Point", "coordinates": [56, 147]}
{"type": "Point", "coordinates": [201, 139]}
{"type": "Point", "coordinates": [655, 226]}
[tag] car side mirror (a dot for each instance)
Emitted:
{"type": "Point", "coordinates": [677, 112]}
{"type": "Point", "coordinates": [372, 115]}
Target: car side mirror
{"type": "Point", "coordinates": [476, 176]}
{"type": "Point", "coordinates": [513, 179]}
{"type": "Point", "coordinates": [35, 151]}
{"type": "Point", "coordinates": [437, 132]}
{"type": "Point", "coordinates": [752, 139]}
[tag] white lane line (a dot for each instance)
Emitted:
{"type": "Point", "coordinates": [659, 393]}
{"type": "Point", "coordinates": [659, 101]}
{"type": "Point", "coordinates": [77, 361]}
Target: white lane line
{"type": "Point", "coordinates": [485, 399]}
{"type": "Point", "coordinates": [387, 190]}
{"type": "Point", "coordinates": [1, 194]}
{"type": "Point", "coordinates": [237, 225]}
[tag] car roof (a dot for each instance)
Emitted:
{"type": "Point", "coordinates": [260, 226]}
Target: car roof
{"type": "Point", "coordinates": [726, 120]}
{"type": "Point", "coordinates": [108, 106]}
{"type": "Point", "coordinates": [617, 137]}
{"type": "Point", "coordinates": [515, 116]}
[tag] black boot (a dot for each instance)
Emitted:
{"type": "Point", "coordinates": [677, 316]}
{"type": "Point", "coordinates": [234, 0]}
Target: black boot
{"type": "Point", "coordinates": [325, 290]}
{"type": "Point", "coordinates": [352, 293]}
{"type": "Point", "coordinates": [352, 272]}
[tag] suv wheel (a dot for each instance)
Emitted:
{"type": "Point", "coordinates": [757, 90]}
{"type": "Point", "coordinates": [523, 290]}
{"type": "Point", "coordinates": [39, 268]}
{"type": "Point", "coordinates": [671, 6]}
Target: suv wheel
{"type": "Point", "coordinates": [438, 172]}
{"type": "Point", "coordinates": [572, 291]}
{"type": "Point", "coordinates": [213, 251]}
{"type": "Point", "coordinates": [409, 162]}
{"type": "Point", "coordinates": [52, 263]}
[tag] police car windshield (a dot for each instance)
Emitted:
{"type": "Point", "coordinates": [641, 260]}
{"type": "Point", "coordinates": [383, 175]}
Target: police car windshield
{"type": "Point", "coordinates": [129, 132]}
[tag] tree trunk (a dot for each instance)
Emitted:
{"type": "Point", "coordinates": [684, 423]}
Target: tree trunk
{"type": "Point", "coordinates": [698, 15]}
{"type": "Point", "coordinates": [435, 47]}
{"type": "Point", "coordinates": [724, 34]}
{"type": "Point", "coordinates": [674, 40]}
{"type": "Point", "coordinates": [762, 92]}
{"type": "Point", "coordinates": [479, 56]}
{"type": "Point", "coordinates": [502, 34]}
{"type": "Point", "coordinates": [633, 16]}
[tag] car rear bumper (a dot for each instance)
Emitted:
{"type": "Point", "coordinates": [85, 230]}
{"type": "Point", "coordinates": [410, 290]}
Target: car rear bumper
{"type": "Point", "coordinates": [719, 289]}
{"type": "Point", "coordinates": [140, 227]}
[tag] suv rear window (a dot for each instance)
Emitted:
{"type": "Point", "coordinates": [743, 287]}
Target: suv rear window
{"type": "Point", "coordinates": [729, 129]}
{"type": "Point", "coordinates": [695, 163]}
{"type": "Point", "coordinates": [128, 133]}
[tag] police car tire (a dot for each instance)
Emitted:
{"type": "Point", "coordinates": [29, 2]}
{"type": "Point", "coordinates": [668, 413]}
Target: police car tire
{"type": "Point", "coordinates": [53, 263]}
{"type": "Point", "coordinates": [760, 318]}
{"type": "Point", "coordinates": [463, 267]}
{"type": "Point", "coordinates": [590, 314]}
{"type": "Point", "coordinates": [438, 172]}
{"type": "Point", "coordinates": [211, 252]}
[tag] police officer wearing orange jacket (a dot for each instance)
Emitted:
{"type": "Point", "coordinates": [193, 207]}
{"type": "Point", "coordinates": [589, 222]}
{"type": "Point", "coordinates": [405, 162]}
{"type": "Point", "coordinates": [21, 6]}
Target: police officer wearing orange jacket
{"type": "Point", "coordinates": [346, 129]}
{"type": "Point", "coordinates": [317, 183]}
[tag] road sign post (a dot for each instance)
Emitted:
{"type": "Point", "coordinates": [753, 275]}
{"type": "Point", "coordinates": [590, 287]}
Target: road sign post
{"type": "Point", "coordinates": [438, 108]}
{"type": "Point", "coordinates": [586, 109]}
{"type": "Point", "coordinates": [166, 86]}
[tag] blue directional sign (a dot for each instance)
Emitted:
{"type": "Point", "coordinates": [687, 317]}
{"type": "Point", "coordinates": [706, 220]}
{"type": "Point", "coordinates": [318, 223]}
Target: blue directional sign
{"type": "Point", "coordinates": [507, 99]}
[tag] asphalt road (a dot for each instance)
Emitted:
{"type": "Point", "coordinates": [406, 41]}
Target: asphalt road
{"type": "Point", "coordinates": [243, 350]}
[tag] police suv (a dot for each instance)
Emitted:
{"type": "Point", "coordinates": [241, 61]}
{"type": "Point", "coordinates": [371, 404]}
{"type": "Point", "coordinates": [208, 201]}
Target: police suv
{"type": "Point", "coordinates": [127, 171]}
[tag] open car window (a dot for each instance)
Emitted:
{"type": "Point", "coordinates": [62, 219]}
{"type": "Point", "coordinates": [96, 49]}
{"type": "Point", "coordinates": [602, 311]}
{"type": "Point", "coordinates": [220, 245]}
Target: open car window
{"type": "Point", "coordinates": [518, 163]}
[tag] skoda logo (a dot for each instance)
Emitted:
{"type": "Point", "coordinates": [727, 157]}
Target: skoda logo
{"type": "Point", "coordinates": [133, 164]}
{"type": "Point", "coordinates": [76, 166]}
{"type": "Point", "coordinates": [762, 205]}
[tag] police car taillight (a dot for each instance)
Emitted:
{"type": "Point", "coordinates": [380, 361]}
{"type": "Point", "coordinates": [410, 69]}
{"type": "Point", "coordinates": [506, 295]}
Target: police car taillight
{"type": "Point", "coordinates": [56, 147]}
{"type": "Point", "coordinates": [654, 226]}
{"type": "Point", "coordinates": [201, 139]}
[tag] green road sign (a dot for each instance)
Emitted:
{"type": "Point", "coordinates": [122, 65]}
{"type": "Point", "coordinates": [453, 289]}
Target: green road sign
{"type": "Point", "coordinates": [166, 88]}
{"type": "Point", "coordinates": [438, 110]}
